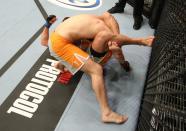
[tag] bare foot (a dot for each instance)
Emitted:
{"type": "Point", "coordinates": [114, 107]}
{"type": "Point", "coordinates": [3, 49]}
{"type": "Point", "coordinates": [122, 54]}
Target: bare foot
{"type": "Point", "coordinates": [148, 40]}
{"type": "Point", "coordinates": [112, 117]}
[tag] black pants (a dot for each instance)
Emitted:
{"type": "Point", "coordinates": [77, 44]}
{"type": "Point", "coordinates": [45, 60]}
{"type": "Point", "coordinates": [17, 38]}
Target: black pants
{"type": "Point", "coordinates": [156, 10]}
{"type": "Point", "coordinates": [138, 7]}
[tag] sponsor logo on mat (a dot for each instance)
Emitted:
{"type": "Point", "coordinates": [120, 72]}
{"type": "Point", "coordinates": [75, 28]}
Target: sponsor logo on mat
{"type": "Point", "coordinates": [38, 100]}
{"type": "Point", "coordinates": [78, 4]}
{"type": "Point", "coordinates": [35, 90]}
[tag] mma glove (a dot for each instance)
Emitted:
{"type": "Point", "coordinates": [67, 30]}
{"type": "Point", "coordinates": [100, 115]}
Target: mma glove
{"type": "Point", "coordinates": [47, 24]}
{"type": "Point", "coordinates": [48, 21]}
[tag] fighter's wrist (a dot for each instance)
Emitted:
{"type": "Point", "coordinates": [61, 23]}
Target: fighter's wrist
{"type": "Point", "coordinates": [47, 24]}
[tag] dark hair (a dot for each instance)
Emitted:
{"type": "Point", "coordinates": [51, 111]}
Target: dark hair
{"type": "Point", "coordinates": [50, 17]}
{"type": "Point", "coordinates": [65, 18]}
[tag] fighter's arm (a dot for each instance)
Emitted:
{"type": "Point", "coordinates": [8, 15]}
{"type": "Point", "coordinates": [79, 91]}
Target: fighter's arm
{"type": "Point", "coordinates": [45, 33]}
{"type": "Point", "coordinates": [45, 36]}
{"type": "Point", "coordinates": [111, 22]}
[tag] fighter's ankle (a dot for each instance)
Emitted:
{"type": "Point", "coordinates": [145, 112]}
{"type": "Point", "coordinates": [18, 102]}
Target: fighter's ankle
{"type": "Point", "coordinates": [106, 112]}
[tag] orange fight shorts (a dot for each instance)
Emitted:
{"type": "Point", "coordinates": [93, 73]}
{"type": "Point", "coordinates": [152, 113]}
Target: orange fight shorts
{"type": "Point", "coordinates": [72, 57]}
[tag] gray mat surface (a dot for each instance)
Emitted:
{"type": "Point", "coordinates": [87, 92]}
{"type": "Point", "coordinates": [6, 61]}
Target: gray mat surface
{"type": "Point", "coordinates": [124, 93]}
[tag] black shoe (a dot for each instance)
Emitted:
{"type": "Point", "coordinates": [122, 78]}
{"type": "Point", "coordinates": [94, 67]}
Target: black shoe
{"type": "Point", "coordinates": [152, 25]}
{"type": "Point", "coordinates": [137, 22]}
{"type": "Point", "coordinates": [116, 9]}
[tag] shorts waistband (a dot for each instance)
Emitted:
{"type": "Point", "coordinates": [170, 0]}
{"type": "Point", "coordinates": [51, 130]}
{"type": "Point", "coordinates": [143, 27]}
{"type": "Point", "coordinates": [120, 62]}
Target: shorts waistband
{"type": "Point", "coordinates": [57, 36]}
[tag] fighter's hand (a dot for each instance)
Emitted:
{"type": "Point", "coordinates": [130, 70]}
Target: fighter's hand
{"type": "Point", "coordinates": [59, 66]}
{"type": "Point", "coordinates": [148, 40]}
{"type": "Point", "coordinates": [53, 20]}
{"type": "Point", "coordinates": [50, 20]}
{"type": "Point", "coordinates": [113, 43]}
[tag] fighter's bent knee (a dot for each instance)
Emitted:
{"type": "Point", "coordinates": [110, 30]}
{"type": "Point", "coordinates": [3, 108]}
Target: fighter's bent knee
{"type": "Point", "coordinates": [96, 68]}
{"type": "Point", "coordinates": [92, 67]}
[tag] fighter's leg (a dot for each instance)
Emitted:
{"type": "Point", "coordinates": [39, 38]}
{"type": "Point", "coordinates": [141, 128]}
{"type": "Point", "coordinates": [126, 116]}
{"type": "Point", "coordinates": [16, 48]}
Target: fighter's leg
{"type": "Point", "coordinates": [118, 54]}
{"type": "Point", "coordinates": [125, 40]}
{"type": "Point", "coordinates": [99, 45]}
{"type": "Point", "coordinates": [76, 59]}
{"type": "Point", "coordinates": [96, 73]}
{"type": "Point", "coordinates": [83, 45]}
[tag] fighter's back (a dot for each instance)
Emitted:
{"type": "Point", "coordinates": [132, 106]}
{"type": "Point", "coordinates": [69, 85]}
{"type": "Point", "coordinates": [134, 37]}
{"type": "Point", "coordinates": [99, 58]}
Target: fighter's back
{"type": "Point", "coordinates": [80, 26]}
